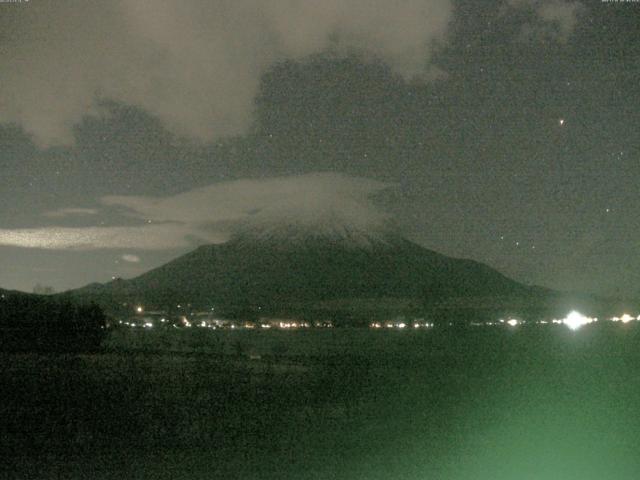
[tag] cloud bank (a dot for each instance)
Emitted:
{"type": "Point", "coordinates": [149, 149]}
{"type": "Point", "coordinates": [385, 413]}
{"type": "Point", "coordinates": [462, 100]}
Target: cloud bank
{"type": "Point", "coordinates": [316, 203]}
{"type": "Point", "coordinates": [130, 258]}
{"type": "Point", "coordinates": [551, 18]}
{"type": "Point", "coordinates": [195, 64]}
{"type": "Point", "coordinates": [151, 237]}
{"type": "Point", "coordinates": [69, 212]}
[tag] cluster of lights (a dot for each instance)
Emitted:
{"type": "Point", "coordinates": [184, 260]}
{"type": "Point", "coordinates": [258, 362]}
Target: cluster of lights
{"type": "Point", "coordinates": [626, 318]}
{"type": "Point", "coordinates": [400, 325]}
{"type": "Point", "coordinates": [423, 325]}
{"type": "Point", "coordinates": [512, 322]}
{"type": "Point", "coordinates": [289, 325]}
{"type": "Point", "coordinates": [184, 322]}
{"type": "Point", "coordinates": [326, 324]}
{"type": "Point", "coordinates": [575, 320]}
{"type": "Point", "coordinates": [146, 324]}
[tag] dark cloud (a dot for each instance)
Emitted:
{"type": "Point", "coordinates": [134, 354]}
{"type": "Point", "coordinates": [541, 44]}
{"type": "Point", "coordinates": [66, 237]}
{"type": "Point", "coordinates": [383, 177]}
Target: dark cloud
{"type": "Point", "coordinates": [196, 65]}
{"type": "Point", "coordinates": [547, 18]}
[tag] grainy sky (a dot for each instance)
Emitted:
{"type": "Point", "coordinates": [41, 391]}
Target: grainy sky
{"type": "Point", "coordinates": [506, 131]}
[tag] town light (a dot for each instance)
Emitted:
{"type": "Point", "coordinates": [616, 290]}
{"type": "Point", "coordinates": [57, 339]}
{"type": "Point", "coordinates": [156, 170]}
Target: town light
{"type": "Point", "coordinates": [575, 320]}
{"type": "Point", "coordinates": [626, 318]}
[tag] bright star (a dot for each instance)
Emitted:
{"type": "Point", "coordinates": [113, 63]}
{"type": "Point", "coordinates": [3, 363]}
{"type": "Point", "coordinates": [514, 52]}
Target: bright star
{"type": "Point", "coordinates": [561, 121]}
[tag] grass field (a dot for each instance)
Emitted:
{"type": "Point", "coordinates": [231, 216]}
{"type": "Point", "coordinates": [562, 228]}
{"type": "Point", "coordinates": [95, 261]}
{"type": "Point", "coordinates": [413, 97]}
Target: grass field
{"type": "Point", "coordinates": [525, 403]}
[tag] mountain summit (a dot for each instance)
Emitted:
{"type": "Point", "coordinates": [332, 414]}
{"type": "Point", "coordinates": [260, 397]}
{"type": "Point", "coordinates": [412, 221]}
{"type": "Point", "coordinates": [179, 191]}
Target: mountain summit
{"type": "Point", "coordinates": [342, 221]}
{"type": "Point", "coordinates": [298, 235]}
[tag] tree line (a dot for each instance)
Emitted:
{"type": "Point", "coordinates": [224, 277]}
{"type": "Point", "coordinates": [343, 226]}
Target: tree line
{"type": "Point", "coordinates": [31, 322]}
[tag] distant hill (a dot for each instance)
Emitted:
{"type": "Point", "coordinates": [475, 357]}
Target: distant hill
{"type": "Point", "coordinates": [4, 294]}
{"type": "Point", "coordinates": [42, 322]}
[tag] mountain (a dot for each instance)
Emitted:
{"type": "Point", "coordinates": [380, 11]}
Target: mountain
{"type": "Point", "coordinates": [288, 271]}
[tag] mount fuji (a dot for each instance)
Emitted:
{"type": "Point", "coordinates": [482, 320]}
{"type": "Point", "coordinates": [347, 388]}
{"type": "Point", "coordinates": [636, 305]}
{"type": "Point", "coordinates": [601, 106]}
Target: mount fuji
{"type": "Point", "coordinates": [285, 268]}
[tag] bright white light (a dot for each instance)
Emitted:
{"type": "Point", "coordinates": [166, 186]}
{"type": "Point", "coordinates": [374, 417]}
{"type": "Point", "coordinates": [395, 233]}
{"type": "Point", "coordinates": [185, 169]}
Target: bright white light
{"type": "Point", "coordinates": [139, 309]}
{"type": "Point", "coordinates": [626, 318]}
{"type": "Point", "coordinates": [402, 325]}
{"type": "Point", "coordinates": [576, 320]}
{"type": "Point", "coordinates": [512, 322]}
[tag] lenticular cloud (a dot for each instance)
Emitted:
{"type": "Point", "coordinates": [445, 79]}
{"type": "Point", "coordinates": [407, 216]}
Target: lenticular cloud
{"type": "Point", "coordinates": [317, 204]}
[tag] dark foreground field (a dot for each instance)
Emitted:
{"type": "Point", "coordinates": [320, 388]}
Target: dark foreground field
{"type": "Point", "coordinates": [494, 404]}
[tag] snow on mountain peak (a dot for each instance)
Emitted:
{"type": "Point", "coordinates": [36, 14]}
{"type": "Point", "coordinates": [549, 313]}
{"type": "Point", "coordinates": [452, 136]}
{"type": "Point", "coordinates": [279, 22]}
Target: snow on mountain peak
{"type": "Point", "coordinates": [338, 220]}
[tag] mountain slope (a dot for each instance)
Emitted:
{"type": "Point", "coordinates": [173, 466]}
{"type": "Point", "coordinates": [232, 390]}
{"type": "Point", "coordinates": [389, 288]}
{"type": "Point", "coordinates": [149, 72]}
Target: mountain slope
{"type": "Point", "coordinates": [264, 270]}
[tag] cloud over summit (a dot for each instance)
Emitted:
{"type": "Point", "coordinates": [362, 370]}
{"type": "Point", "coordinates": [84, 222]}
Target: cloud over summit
{"type": "Point", "coordinates": [315, 203]}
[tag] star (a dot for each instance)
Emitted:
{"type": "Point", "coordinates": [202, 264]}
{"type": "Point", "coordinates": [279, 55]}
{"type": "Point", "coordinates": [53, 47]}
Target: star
{"type": "Point", "coordinates": [561, 122]}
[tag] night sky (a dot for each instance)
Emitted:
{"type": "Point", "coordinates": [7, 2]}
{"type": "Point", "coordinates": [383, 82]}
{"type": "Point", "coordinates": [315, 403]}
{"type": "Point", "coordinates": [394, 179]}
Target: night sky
{"type": "Point", "coordinates": [506, 132]}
